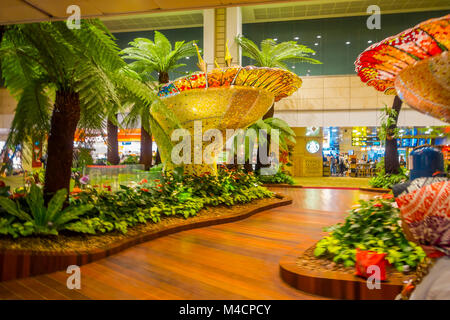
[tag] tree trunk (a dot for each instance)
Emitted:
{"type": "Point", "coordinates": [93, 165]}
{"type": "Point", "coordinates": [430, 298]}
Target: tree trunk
{"type": "Point", "coordinates": [146, 149]}
{"type": "Point", "coordinates": [113, 143]}
{"type": "Point", "coordinates": [265, 145]}
{"type": "Point", "coordinates": [270, 113]}
{"type": "Point", "coordinates": [163, 77]}
{"type": "Point", "coordinates": [391, 163]}
{"type": "Point", "coordinates": [66, 114]}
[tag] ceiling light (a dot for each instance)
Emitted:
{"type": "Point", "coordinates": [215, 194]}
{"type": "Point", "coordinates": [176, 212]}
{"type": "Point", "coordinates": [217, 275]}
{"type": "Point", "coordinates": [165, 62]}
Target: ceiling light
{"type": "Point", "coordinates": [348, 42]}
{"type": "Point", "coordinates": [316, 44]}
{"type": "Point", "coordinates": [319, 36]}
{"type": "Point", "coordinates": [370, 41]}
{"type": "Point", "coordinates": [296, 38]}
{"type": "Point", "coordinates": [293, 67]}
{"type": "Point", "coordinates": [275, 39]}
{"type": "Point", "coordinates": [187, 58]}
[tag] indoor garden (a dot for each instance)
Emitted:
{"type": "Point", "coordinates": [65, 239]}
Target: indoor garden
{"type": "Point", "coordinates": [222, 153]}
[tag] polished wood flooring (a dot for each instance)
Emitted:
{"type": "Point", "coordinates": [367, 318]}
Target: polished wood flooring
{"type": "Point", "coordinates": [237, 260]}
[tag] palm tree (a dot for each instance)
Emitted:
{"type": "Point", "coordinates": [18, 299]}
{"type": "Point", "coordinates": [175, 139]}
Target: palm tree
{"type": "Point", "coordinates": [154, 56]}
{"type": "Point", "coordinates": [274, 55]}
{"type": "Point", "coordinates": [61, 78]}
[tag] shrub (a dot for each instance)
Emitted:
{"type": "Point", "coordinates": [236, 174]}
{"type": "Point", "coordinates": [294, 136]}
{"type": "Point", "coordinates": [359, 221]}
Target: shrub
{"type": "Point", "coordinates": [386, 181]}
{"type": "Point", "coordinates": [373, 225]}
{"type": "Point", "coordinates": [99, 211]}
{"type": "Point", "coordinates": [278, 178]}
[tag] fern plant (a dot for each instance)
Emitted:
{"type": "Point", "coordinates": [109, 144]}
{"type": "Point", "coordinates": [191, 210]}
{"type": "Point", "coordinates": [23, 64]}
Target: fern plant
{"type": "Point", "coordinates": [45, 220]}
{"type": "Point", "coordinates": [62, 78]}
{"type": "Point", "coordinates": [153, 56]}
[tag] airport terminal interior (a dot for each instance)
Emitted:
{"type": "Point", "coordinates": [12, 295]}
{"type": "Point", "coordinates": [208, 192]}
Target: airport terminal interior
{"type": "Point", "coordinates": [225, 150]}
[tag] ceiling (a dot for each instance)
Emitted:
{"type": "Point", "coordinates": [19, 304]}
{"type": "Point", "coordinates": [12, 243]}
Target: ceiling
{"type": "Point", "coordinates": [133, 15]}
{"type": "Point", "coordinates": [22, 11]}
{"type": "Point", "coordinates": [337, 8]}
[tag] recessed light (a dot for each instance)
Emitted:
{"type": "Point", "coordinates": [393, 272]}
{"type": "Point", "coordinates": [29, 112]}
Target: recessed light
{"type": "Point", "coordinates": [188, 58]}
{"type": "Point", "coordinates": [296, 38]}
{"type": "Point", "coordinates": [370, 41]}
{"type": "Point", "coordinates": [348, 42]}
{"type": "Point", "coordinates": [316, 44]}
{"type": "Point", "coordinates": [293, 67]}
{"type": "Point", "coordinates": [319, 36]}
{"type": "Point", "coordinates": [275, 39]}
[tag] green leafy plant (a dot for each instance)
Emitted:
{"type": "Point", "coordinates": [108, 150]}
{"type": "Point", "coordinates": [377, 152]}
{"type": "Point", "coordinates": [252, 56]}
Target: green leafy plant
{"type": "Point", "coordinates": [96, 211]}
{"type": "Point", "coordinates": [386, 181]}
{"type": "Point", "coordinates": [373, 225]}
{"type": "Point", "coordinates": [278, 178]}
{"type": "Point", "coordinates": [131, 160]}
{"type": "Point", "coordinates": [43, 219]}
{"type": "Point", "coordinates": [388, 124]}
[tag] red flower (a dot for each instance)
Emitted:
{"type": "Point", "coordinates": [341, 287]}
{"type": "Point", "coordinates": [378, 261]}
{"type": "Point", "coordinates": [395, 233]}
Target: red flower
{"type": "Point", "coordinates": [143, 181]}
{"type": "Point", "coordinates": [17, 195]}
{"type": "Point", "coordinates": [76, 190]}
{"type": "Point", "coordinates": [159, 186]}
{"type": "Point", "coordinates": [2, 184]}
{"type": "Point", "coordinates": [144, 189]}
{"type": "Point", "coordinates": [378, 205]}
{"type": "Point", "coordinates": [387, 196]}
{"type": "Point", "coordinates": [107, 188]}
{"type": "Point", "coordinates": [156, 180]}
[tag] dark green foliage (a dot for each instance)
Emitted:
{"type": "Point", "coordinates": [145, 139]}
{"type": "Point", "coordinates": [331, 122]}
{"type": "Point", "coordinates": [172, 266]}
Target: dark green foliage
{"type": "Point", "coordinates": [93, 211]}
{"type": "Point", "coordinates": [386, 181]}
{"type": "Point", "coordinates": [278, 178]}
{"type": "Point", "coordinates": [33, 217]}
{"type": "Point", "coordinates": [131, 160]}
{"type": "Point", "coordinates": [373, 225]}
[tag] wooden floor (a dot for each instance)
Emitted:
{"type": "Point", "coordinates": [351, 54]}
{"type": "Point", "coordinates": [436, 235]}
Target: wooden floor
{"type": "Point", "coordinates": [237, 260]}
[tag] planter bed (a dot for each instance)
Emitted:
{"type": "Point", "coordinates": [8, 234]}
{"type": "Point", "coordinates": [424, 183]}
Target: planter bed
{"type": "Point", "coordinates": [302, 270]}
{"type": "Point", "coordinates": [30, 256]}
{"type": "Point", "coordinates": [281, 185]}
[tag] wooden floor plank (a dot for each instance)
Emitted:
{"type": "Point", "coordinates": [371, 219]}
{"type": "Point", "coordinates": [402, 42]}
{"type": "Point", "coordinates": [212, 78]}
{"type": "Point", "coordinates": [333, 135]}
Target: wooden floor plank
{"type": "Point", "coordinates": [237, 260]}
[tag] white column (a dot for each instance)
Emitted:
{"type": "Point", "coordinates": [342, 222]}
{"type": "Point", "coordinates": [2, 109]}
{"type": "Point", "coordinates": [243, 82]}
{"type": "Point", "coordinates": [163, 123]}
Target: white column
{"type": "Point", "coordinates": [209, 28]}
{"type": "Point", "coordinates": [233, 29]}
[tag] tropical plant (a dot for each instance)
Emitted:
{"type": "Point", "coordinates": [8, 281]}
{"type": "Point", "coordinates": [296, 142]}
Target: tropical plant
{"type": "Point", "coordinates": [41, 218]}
{"type": "Point", "coordinates": [373, 225]}
{"type": "Point", "coordinates": [61, 78]}
{"type": "Point", "coordinates": [93, 210]}
{"type": "Point", "coordinates": [154, 56]}
{"type": "Point", "coordinates": [386, 181]}
{"type": "Point", "coordinates": [278, 178]}
{"type": "Point", "coordinates": [273, 54]}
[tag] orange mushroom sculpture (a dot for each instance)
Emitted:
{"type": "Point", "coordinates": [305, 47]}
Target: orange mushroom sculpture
{"type": "Point", "coordinates": [413, 64]}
